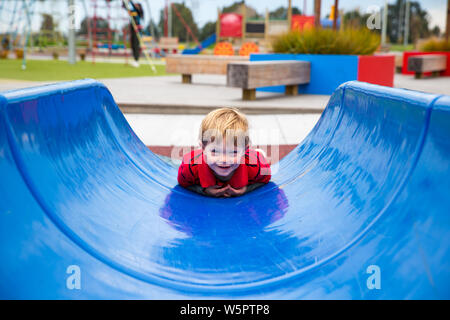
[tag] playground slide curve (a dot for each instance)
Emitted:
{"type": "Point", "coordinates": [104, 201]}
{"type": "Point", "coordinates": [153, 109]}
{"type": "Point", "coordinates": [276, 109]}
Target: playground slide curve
{"type": "Point", "coordinates": [358, 210]}
{"type": "Point", "coordinates": [203, 45]}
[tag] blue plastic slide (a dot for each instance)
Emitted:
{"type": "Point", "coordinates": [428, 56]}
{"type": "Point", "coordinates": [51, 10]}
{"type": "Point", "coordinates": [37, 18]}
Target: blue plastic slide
{"type": "Point", "coordinates": [203, 45]}
{"type": "Point", "coordinates": [358, 210]}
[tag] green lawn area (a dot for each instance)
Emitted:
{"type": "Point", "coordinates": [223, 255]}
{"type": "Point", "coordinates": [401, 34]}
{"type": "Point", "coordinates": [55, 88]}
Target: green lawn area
{"type": "Point", "coordinates": [400, 47]}
{"type": "Point", "coordinates": [54, 70]}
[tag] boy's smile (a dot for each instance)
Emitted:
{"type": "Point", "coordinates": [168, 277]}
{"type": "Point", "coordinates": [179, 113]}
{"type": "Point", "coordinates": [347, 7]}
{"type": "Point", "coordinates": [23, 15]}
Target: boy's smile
{"type": "Point", "coordinates": [223, 159]}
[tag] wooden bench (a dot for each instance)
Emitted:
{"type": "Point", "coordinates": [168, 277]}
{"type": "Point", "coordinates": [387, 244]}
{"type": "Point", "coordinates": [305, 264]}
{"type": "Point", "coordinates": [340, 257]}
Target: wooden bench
{"type": "Point", "coordinates": [420, 64]}
{"type": "Point", "coordinates": [255, 74]}
{"type": "Point", "coordinates": [189, 64]}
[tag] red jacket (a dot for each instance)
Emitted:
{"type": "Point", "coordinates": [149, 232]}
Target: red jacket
{"type": "Point", "coordinates": [195, 170]}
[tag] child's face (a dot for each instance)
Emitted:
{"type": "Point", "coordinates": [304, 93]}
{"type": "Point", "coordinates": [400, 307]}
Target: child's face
{"type": "Point", "coordinates": [223, 158]}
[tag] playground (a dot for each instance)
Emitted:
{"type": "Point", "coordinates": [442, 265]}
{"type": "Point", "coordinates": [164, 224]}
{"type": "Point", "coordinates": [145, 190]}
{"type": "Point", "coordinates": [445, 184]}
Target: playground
{"type": "Point", "coordinates": [96, 115]}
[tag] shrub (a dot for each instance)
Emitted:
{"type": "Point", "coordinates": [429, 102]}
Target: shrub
{"type": "Point", "coordinates": [435, 45]}
{"type": "Point", "coordinates": [328, 41]}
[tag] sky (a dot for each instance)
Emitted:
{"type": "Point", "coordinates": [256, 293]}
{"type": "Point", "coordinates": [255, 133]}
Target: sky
{"type": "Point", "coordinates": [206, 10]}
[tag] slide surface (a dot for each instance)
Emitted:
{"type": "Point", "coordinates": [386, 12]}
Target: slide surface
{"type": "Point", "coordinates": [358, 210]}
{"type": "Point", "coordinates": [203, 45]}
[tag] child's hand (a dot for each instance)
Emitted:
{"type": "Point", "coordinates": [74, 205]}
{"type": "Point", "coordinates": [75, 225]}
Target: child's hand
{"type": "Point", "coordinates": [226, 191]}
{"type": "Point", "coordinates": [216, 191]}
{"type": "Point", "coordinates": [231, 192]}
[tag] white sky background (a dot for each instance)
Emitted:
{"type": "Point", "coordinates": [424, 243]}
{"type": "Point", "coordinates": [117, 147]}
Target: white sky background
{"type": "Point", "coordinates": [203, 10]}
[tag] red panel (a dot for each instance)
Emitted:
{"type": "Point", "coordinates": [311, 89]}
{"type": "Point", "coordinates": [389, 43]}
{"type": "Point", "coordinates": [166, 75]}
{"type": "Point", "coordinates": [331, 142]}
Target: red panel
{"type": "Point", "coordinates": [300, 22]}
{"type": "Point", "coordinates": [377, 69]}
{"type": "Point", "coordinates": [408, 54]}
{"type": "Point", "coordinates": [230, 25]}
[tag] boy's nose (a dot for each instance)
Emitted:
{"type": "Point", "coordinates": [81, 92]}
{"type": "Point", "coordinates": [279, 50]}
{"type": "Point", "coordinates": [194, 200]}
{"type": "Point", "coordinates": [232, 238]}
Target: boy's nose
{"type": "Point", "coordinates": [225, 160]}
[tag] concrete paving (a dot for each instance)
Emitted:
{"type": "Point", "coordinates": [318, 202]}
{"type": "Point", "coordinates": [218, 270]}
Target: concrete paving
{"type": "Point", "coordinates": [439, 85]}
{"type": "Point", "coordinates": [167, 95]}
{"type": "Point", "coordinates": [207, 92]}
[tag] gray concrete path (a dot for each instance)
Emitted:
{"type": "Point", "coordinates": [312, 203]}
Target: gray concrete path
{"type": "Point", "coordinates": [207, 92]}
{"type": "Point", "coordinates": [439, 85]}
{"type": "Point", "coordinates": [167, 95]}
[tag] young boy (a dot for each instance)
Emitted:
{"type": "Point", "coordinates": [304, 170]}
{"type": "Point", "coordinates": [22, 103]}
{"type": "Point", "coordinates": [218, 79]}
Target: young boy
{"type": "Point", "coordinates": [225, 166]}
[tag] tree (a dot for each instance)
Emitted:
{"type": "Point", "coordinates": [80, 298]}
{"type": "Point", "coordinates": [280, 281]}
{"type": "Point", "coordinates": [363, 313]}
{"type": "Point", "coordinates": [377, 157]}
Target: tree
{"type": "Point", "coordinates": [396, 22]}
{"type": "Point", "coordinates": [436, 31]}
{"type": "Point", "coordinates": [419, 24]}
{"type": "Point", "coordinates": [208, 29]}
{"type": "Point", "coordinates": [354, 19]}
{"type": "Point", "coordinates": [281, 13]}
{"type": "Point", "coordinates": [156, 31]}
{"type": "Point", "coordinates": [101, 27]}
{"type": "Point", "coordinates": [236, 7]}
{"type": "Point", "coordinates": [47, 22]}
{"type": "Point", "coordinates": [178, 28]}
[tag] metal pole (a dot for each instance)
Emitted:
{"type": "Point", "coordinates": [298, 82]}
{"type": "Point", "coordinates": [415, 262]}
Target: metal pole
{"type": "Point", "coordinates": [317, 6]}
{"type": "Point", "coordinates": [152, 30]}
{"type": "Point", "coordinates": [336, 8]}
{"type": "Point", "coordinates": [384, 25]}
{"type": "Point", "coordinates": [10, 40]}
{"type": "Point", "coordinates": [71, 40]}
{"type": "Point", "coordinates": [244, 19]}
{"type": "Point", "coordinates": [166, 13]}
{"type": "Point", "coordinates": [27, 11]}
{"type": "Point", "coordinates": [447, 27]}
{"type": "Point", "coordinates": [88, 25]}
{"type": "Point", "coordinates": [289, 14]}
{"type": "Point", "coordinates": [169, 18]}
{"type": "Point", "coordinates": [405, 39]}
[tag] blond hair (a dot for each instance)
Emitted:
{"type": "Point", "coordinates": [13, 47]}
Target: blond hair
{"type": "Point", "coordinates": [220, 121]}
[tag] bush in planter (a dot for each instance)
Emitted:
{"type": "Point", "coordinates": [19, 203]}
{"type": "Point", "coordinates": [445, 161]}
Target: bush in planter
{"type": "Point", "coordinates": [55, 55]}
{"type": "Point", "coordinates": [327, 41]}
{"type": "Point", "coordinates": [435, 45]}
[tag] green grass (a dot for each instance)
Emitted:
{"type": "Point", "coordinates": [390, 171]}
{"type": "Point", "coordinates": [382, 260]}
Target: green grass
{"type": "Point", "coordinates": [400, 47]}
{"type": "Point", "coordinates": [55, 70]}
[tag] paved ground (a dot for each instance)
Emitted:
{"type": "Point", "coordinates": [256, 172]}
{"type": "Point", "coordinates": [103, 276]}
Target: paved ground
{"type": "Point", "coordinates": [207, 92]}
{"type": "Point", "coordinates": [167, 95]}
{"type": "Point", "coordinates": [439, 85]}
